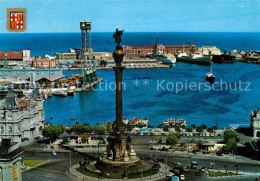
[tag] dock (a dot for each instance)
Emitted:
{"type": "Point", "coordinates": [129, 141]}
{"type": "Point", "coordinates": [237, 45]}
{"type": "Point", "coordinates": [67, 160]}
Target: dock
{"type": "Point", "coordinates": [135, 64]}
{"type": "Point", "coordinates": [137, 67]}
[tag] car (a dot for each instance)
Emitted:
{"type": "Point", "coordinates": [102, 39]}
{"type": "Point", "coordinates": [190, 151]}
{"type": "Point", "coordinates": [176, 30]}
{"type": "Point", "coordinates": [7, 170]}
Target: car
{"type": "Point", "coordinates": [177, 171]}
{"type": "Point", "coordinates": [198, 173]}
{"type": "Point", "coordinates": [203, 169]}
{"type": "Point", "coordinates": [186, 170]}
{"type": "Point", "coordinates": [53, 153]}
{"type": "Point", "coordinates": [182, 177]}
{"type": "Point", "coordinates": [169, 174]}
{"type": "Point", "coordinates": [194, 165]}
{"type": "Point", "coordinates": [174, 178]}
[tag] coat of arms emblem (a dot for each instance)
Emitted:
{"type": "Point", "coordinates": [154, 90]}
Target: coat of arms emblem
{"type": "Point", "coordinates": [16, 19]}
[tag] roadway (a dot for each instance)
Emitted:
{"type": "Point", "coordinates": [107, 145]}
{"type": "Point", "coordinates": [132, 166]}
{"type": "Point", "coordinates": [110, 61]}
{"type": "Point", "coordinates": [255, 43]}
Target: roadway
{"type": "Point", "coordinates": [54, 169]}
{"type": "Point", "coordinates": [57, 166]}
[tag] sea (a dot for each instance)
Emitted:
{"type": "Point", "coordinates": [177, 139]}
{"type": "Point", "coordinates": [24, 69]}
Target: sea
{"type": "Point", "coordinates": [179, 92]}
{"type": "Point", "coordinates": [52, 43]}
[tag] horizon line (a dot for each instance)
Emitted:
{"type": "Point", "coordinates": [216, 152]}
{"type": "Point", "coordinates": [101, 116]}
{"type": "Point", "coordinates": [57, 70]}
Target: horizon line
{"type": "Point", "coordinates": [138, 32]}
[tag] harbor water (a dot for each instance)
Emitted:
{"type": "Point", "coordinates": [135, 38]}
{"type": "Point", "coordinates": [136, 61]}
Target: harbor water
{"type": "Point", "coordinates": [51, 43]}
{"type": "Point", "coordinates": [211, 107]}
{"type": "Point", "coordinates": [226, 107]}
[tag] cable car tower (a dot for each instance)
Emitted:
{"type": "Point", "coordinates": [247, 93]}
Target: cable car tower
{"type": "Point", "coordinates": [85, 27]}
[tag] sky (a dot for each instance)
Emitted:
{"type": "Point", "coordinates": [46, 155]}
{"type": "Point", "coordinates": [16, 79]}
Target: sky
{"type": "Point", "coordinates": [138, 15]}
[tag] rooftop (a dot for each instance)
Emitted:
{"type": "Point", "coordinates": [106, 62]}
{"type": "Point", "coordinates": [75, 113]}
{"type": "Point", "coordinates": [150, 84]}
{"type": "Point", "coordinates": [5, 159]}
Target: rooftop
{"type": "Point", "coordinates": [9, 150]}
{"type": "Point", "coordinates": [152, 46]}
{"type": "Point", "coordinates": [39, 60]}
{"type": "Point", "coordinates": [11, 55]}
{"type": "Point", "coordinates": [48, 76]}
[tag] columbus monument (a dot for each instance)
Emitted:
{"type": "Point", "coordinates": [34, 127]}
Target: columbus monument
{"type": "Point", "coordinates": [119, 154]}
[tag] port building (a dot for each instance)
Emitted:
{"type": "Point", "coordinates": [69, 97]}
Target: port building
{"type": "Point", "coordinates": [75, 54]}
{"type": "Point", "coordinates": [21, 118]}
{"type": "Point", "coordinates": [137, 52]}
{"type": "Point", "coordinates": [67, 56]}
{"type": "Point", "coordinates": [29, 71]}
{"type": "Point", "coordinates": [12, 56]}
{"type": "Point", "coordinates": [45, 63]}
{"type": "Point", "coordinates": [209, 50]}
{"type": "Point", "coordinates": [24, 80]}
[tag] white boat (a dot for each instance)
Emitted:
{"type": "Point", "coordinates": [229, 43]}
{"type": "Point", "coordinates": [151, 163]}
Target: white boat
{"type": "Point", "coordinates": [50, 57]}
{"type": "Point", "coordinates": [61, 93]}
{"type": "Point", "coordinates": [171, 58]}
{"type": "Point", "coordinates": [182, 54]}
{"type": "Point", "coordinates": [197, 55]}
{"type": "Point", "coordinates": [166, 58]}
{"type": "Point", "coordinates": [70, 92]}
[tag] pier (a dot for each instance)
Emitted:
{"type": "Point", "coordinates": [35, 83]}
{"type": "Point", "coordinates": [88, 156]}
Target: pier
{"type": "Point", "coordinates": [135, 64]}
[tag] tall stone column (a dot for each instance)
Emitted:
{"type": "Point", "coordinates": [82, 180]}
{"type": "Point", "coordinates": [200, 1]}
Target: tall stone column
{"type": "Point", "coordinates": [119, 106]}
{"type": "Point", "coordinates": [118, 148]}
{"type": "Point", "coordinates": [119, 156]}
{"type": "Point", "coordinates": [119, 128]}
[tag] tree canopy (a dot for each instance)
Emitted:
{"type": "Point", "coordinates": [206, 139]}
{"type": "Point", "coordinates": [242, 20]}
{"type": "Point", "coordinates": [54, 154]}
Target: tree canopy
{"type": "Point", "coordinates": [230, 138]}
{"type": "Point", "coordinates": [52, 132]}
{"type": "Point", "coordinates": [193, 126]}
{"type": "Point", "coordinates": [165, 128]}
{"type": "Point", "coordinates": [172, 139]}
{"type": "Point", "coordinates": [204, 126]}
{"type": "Point", "coordinates": [189, 129]}
{"type": "Point", "coordinates": [99, 129]}
{"type": "Point", "coordinates": [78, 129]}
{"type": "Point", "coordinates": [229, 135]}
{"type": "Point", "coordinates": [199, 129]}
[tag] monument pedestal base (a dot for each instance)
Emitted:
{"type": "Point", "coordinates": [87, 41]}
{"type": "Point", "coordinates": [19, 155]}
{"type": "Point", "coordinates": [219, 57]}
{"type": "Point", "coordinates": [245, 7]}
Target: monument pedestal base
{"type": "Point", "coordinates": [115, 169]}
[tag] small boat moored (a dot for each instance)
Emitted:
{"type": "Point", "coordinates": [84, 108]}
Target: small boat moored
{"type": "Point", "coordinates": [70, 92]}
{"type": "Point", "coordinates": [60, 93]}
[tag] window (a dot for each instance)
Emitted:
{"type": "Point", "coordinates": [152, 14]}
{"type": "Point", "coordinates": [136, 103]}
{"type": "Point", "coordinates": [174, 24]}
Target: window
{"type": "Point", "coordinates": [10, 130]}
{"type": "Point", "coordinates": [2, 130]}
{"type": "Point", "coordinates": [19, 127]}
{"type": "Point", "coordinates": [9, 117]}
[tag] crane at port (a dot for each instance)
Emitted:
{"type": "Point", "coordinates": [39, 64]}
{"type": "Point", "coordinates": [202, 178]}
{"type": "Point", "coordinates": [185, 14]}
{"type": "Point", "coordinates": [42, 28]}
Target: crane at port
{"type": "Point", "coordinates": [224, 51]}
{"type": "Point", "coordinates": [155, 48]}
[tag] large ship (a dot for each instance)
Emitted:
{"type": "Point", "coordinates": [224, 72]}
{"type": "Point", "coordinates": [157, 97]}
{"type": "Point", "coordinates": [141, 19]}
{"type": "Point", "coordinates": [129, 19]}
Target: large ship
{"type": "Point", "coordinates": [167, 59]}
{"type": "Point", "coordinates": [252, 56]}
{"type": "Point", "coordinates": [223, 58]}
{"type": "Point", "coordinates": [196, 58]}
